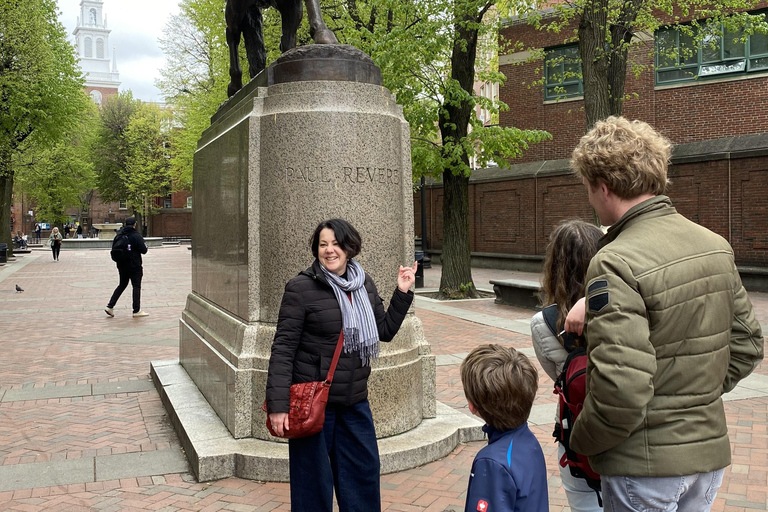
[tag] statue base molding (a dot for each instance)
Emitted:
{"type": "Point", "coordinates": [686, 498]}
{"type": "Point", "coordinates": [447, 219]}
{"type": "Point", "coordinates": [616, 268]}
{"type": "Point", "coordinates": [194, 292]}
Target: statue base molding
{"type": "Point", "coordinates": [214, 453]}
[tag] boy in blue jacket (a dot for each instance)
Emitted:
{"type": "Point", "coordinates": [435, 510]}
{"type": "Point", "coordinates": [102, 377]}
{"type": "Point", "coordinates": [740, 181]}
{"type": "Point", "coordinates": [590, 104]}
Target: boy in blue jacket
{"type": "Point", "coordinates": [508, 475]}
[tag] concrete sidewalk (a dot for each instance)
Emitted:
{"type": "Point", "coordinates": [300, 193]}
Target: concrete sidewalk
{"type": "Point", "coordinates": [82, 428]}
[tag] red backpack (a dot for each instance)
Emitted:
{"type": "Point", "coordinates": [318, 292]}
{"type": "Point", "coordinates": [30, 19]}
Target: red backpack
{"type": "Point", "coordinates": [571, 388]}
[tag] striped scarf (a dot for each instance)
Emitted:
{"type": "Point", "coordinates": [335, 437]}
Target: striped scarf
{"type": "Point", "coordinates": [360, 331]}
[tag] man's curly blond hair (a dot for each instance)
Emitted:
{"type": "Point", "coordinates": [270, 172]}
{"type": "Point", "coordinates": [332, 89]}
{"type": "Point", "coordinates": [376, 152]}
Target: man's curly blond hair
{"type": "Point", "coordinates": [630, 157]}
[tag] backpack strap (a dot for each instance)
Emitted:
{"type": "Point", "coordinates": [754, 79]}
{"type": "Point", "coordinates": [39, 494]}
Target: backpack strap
{"type": "Point", "coordinates": [550, 317]}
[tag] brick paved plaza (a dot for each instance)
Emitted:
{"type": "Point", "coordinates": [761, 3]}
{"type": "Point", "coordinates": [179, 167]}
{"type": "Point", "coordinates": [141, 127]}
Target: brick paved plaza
{"type": "Point", "coordinates": [82, 427]}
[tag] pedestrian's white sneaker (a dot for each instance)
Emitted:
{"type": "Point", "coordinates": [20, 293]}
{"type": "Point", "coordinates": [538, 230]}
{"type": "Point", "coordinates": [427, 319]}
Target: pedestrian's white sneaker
{"type": "Point", "coordinates": [109, 311]}
{"type": "Point", "coordinates": [140, 314]}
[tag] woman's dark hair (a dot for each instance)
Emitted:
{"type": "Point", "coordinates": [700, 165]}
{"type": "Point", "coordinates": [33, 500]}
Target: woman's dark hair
{"type": "Point", "coordinates": [347, 236]}
{"type": "Point", "coordinates": [571, 247]}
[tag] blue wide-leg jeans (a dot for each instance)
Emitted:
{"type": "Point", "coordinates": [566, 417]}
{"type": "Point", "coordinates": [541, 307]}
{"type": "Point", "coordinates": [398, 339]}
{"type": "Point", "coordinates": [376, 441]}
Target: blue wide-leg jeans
{"type": "Point", "coordinates": [344, 457]}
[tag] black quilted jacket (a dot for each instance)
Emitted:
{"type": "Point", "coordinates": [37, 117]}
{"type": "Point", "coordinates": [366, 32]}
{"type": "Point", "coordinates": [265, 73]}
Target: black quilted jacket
{"type": "Point", "coordinates": [308, 328]}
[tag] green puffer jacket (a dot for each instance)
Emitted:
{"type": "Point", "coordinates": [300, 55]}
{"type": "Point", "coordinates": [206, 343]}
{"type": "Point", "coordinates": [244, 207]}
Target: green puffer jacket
{"type": "Point", "coordinates": [669, 328]}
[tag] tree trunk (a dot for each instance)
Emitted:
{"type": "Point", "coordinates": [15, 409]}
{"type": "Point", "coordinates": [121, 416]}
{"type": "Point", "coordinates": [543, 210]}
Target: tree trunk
{"type": "Point", "coordinates": [594, 61]}
{"type": "Point", "coordinates": [605, 72]}
{"type": "Point", "coordinates": [6, 191]}
{"type": "Point", "coordinates": [456, 278]}
{"type": "Point", "coordinates": [621, 37]}
{"type": "Point", "coordinates": [617, 76]}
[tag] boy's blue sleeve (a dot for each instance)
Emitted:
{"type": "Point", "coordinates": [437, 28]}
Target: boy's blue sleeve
{"type": "Point", "coordinates": [491, 488]}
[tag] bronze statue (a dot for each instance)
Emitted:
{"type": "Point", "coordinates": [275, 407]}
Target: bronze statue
{"type": "Point", "coordinates": [244, 17]}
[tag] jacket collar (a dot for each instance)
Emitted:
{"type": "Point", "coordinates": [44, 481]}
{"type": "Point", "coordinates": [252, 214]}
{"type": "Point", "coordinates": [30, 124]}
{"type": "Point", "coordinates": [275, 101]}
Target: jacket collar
{"type": "Point", "coordinates": [494, 435]}
{"type": "Point", "coordinates": [315, 272]}
{"type": "Point", "coordinates": [654, 207]}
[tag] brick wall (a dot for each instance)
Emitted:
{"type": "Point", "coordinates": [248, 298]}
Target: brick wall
{"type": "Point", "coordinates": [100, 212]}
{"type": "Point", "coordinates": [179, 199]}
{"type": "Point", "coordinates": [172, 222]}
{"type": "Point", "coordinates": [729, 196]}
{"type": "Point", "coordinates": [516, 215]}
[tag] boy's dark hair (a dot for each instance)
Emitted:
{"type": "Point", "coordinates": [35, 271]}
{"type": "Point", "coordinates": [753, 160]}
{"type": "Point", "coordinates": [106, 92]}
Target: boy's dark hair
{"type": "Point", "coordinates": [347, 236]}
{"type": "Point", "coordinates": [501, 383]}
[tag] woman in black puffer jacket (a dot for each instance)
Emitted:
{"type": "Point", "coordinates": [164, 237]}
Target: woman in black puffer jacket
{"type": "Point", "coordinates": [332, 294]}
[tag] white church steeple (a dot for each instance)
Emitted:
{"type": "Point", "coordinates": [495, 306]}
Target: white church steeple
{"type": "Point", "coordinates": [92, 42]}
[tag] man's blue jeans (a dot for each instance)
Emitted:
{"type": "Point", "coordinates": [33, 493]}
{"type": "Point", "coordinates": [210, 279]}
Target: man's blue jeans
{"type": "Point", "coordinates": [344, 456]}
{"type": "Point", "coordinates": [692, 493]}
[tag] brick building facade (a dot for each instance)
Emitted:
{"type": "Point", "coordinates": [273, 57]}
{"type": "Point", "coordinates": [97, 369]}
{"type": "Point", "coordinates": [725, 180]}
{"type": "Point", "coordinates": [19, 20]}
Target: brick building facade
{"type": "Point", "coordinates": [729, 104]}
{"type": "Point", "coordinates": [719, 173]}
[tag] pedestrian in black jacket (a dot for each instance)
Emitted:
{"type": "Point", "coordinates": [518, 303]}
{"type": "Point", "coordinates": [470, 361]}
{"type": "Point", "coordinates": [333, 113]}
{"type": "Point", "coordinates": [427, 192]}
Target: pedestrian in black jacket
{"type": "Point", "coordinates": [130, 269]}
{"type": "Point", "coordinates": [333, 294]}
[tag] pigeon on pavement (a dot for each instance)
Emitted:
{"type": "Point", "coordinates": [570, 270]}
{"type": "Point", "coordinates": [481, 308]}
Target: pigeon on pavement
{"type": "Point", "coordinates": [19, 289]}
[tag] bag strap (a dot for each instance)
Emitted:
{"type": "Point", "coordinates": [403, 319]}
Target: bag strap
{"type": "Point", "coordinates": [336, 354]}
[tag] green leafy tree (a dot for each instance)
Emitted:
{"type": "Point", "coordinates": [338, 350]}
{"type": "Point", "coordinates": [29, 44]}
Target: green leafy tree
{"type": "Point", "coordinates": [132, 152]}
{"type": "Point", "coordinates": [428, 52]}
{"type": "Point", "coordinates": [195, 77]}
{"type": "Point", "coordinates": [428, 55]}
{"type": "Point", "coordinates": [196, 73]}
{"type": "Point", "coordinates": [111, 150]}
{"type": "Point", "coordinates": [606, 30]}
{"type": "Point", "coordinates": [41, 93]}
{"type": "Point", "coordinates": [62, 176]}
{"type": "Point", "coordinates": [147, 165]}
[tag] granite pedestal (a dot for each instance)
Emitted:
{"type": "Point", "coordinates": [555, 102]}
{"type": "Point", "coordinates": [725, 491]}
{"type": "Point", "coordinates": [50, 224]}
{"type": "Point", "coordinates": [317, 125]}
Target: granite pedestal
{"type": "Point", "coordinates": [320, 138]}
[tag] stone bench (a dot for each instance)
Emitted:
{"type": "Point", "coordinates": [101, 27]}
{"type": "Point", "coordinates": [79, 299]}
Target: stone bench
{"type": "Point", "coordinates": [516, 292]}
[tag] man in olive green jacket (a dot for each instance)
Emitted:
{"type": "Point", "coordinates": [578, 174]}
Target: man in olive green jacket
{"type": "Point", "coordinates": [669, 328]}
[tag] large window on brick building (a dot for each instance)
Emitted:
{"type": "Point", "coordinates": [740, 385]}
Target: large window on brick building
{"type": "Point", "coordinates": [562, 73]}
{"type": "Point", "coordinates": [721, 53]}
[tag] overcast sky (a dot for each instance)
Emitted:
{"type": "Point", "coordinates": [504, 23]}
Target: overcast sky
{"type": "Point", "coordinates": [135, 27]}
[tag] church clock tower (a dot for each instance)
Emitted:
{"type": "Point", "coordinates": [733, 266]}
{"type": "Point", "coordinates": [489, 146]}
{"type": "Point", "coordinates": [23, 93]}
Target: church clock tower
{"type": "Point", "coordinates": [92, 43]}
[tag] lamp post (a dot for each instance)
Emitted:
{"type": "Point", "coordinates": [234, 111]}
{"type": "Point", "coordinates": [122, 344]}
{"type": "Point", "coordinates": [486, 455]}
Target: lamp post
{"type": "Point", "coordinates": [427, 261]}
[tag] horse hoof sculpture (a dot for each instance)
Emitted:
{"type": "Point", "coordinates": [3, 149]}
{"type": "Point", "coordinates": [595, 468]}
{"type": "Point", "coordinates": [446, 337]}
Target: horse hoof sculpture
{"type": "Point", "coordinates": [244, 17]}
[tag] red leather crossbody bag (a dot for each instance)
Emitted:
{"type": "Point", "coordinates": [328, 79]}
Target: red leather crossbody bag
{"type": "Point", "coordinates": [307, 403]}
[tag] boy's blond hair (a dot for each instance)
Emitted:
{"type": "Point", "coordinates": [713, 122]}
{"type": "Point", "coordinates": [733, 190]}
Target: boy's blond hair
{"type": "Point", "coordinates": [501, 384]}
{"type": "Point", "coordinates": [630, 157]}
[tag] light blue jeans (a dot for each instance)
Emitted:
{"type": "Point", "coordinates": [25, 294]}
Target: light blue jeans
{"type": "Point", "coordinates": [692, 493]}
{"type": "Point", "coordinates": [581, 497]}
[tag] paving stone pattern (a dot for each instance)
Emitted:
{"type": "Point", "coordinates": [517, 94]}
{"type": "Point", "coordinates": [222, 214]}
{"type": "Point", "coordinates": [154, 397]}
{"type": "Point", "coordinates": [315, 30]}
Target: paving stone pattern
{"type": "Point", "coordinates": [81, 428]}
